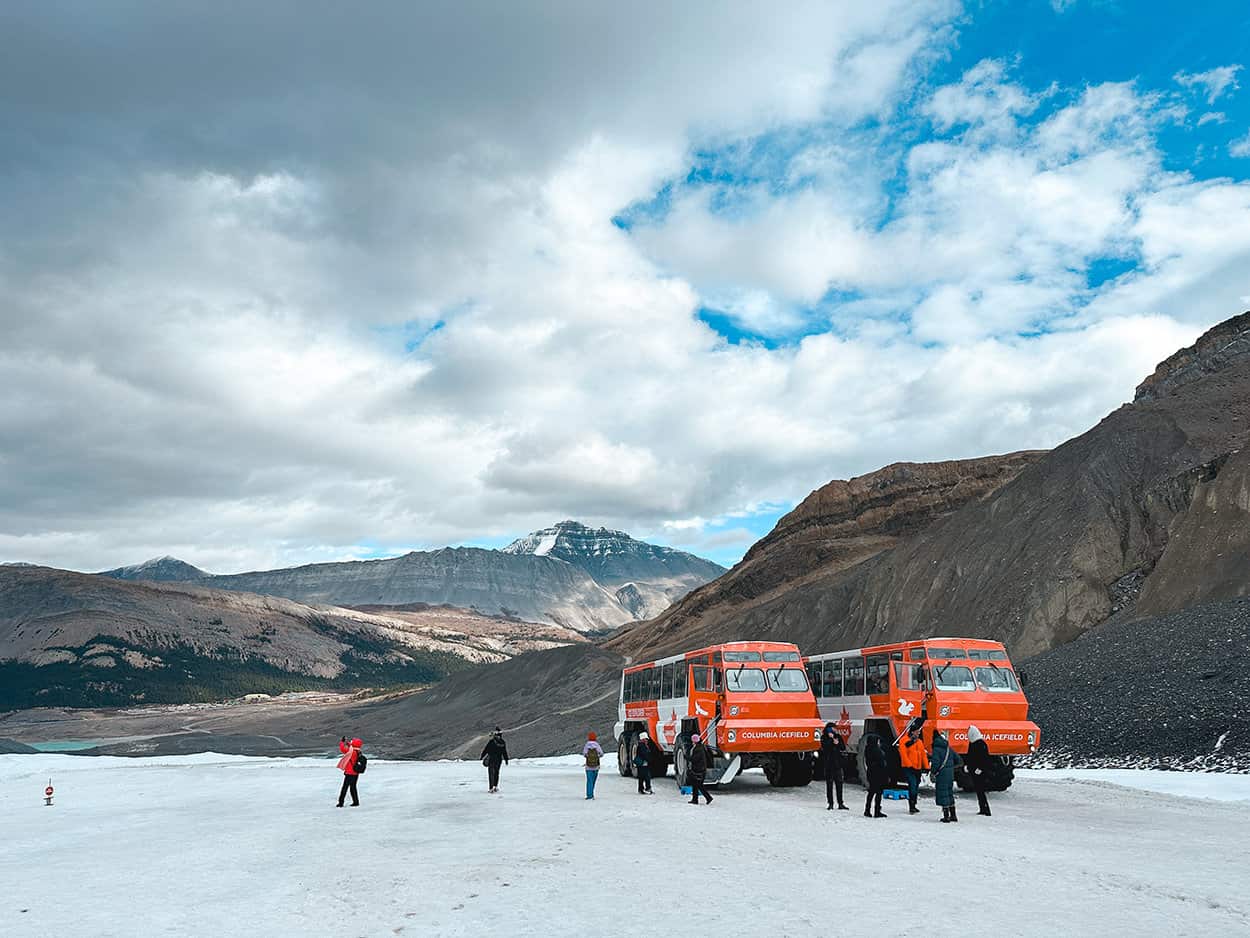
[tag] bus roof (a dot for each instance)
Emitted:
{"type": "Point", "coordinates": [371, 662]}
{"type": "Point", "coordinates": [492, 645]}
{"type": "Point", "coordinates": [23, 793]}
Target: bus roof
{"type": "Point", "coordinates": [753, 645]}
{"type": "Point", "coordinates": [910, 643]}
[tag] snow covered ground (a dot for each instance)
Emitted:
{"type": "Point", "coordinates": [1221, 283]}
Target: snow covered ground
{"type": "Point", "coordinates": [225, 845]}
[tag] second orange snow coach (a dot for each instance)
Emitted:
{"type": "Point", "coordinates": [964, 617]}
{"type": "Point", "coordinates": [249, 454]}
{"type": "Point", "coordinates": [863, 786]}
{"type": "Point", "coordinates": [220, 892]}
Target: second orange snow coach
{"type": "Point", "coordinates": [953, 682]}
{"type": "Point", "coordinates": [750, 701]}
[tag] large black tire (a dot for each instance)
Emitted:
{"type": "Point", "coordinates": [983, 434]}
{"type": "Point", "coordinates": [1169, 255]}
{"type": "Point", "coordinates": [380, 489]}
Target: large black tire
{"type": "Point", "coordinates": [681, 763]}
{"type": "Point", "coordinates": [791, 770]}
{"type": "Point", "coordinates": [625, 756]}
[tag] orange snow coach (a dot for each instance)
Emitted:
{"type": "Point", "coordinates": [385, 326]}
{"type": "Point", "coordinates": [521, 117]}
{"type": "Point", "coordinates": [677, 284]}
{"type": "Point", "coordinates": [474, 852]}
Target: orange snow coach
{"type": "Point", "coordinates": [938, 683]}
{"type": "Point", "coordinates": [750, 701]}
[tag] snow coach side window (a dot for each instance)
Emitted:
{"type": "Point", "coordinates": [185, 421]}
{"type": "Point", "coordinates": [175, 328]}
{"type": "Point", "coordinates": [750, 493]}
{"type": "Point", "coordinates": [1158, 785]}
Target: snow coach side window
{"type": "Point", "coordinates": [786, 680]}
{"type": "Point", "coordinates": [679, 679]}
{"type": "Point", "coordinates": [854, 677]}
{"type": "Point", "coordinates": [831, 686]}
{"type": "Point", "coordinates": [905, 676]}
{"type": "Point", "coordinates": [666, 682]}
{"type": "Point", "coordinates": [953, 677]}
{"type": "Point", "coordinates": [702, 678]}
{"type": "Point", "coordinates": [813, 676]}
{"type": "Point", "coordinates": [878, 674]}
{"type": "Point", "coordinates": [998, 680]}
{"type": "Point", "coordinates": [653, 684]}
{"type": "Point", "coordinates": [744, 679]}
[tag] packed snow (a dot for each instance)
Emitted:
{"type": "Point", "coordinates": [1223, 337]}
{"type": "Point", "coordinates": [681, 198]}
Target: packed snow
{"type": "Point", "coordinates": [225, 845]}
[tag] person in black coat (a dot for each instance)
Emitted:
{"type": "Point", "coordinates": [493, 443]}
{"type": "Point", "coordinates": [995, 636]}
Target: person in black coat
{"type": "Point", "coordinates": [700, 760]}
{"type": "Point", "coordinates": [494, 753]}
{"type": "Point", "coordinates": [642, 764]}
{"type": "Point", "coordinates": [979, 764]}
{"type": "Point", "coordinates": [876, 774]}
{"type": "Point", "coordinates": [832, 763]}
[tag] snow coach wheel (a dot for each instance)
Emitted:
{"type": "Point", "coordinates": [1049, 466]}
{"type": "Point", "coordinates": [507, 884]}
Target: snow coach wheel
{"type": "Point", "coordinates": [681, 762]}
{"type": "Point", "coordinates": [624, 758]}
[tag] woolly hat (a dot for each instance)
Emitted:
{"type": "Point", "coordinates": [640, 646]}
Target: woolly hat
{"type": "Point", "coordinates": [696, 737]}
{"type": "Point", "coordinates": [357, 743]}
{"type": "Point", "coordinates": [591, 736]}
{"type": "Point", "coordinates": [973, 734]}
{"type": "Point", "coordinates": [643, 736]}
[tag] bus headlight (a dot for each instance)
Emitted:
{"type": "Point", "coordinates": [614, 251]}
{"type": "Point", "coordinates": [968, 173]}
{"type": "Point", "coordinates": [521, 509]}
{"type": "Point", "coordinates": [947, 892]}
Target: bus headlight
{"type": "Point", "coordinates": [733, 735]}
{"type": "Point", "coordinates": [1032, 740]}
{"type": "Point", "coordinates": [816, 735]}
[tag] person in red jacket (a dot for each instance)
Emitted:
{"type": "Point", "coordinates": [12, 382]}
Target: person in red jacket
{"type": "Point", "coordinates": [348, 765]}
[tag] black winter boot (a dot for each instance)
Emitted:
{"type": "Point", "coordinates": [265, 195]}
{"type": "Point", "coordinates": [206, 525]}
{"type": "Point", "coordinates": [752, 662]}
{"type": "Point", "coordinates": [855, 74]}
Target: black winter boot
{"type": "Point", "coordinates": [954, 816]}
{"type": "Point", "coordinates": [868, 805]}
{"type": "Point", "coordinates": [946, 814]}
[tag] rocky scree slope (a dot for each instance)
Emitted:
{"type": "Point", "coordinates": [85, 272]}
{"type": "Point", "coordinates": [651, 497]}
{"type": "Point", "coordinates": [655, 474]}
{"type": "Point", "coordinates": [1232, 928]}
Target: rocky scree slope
{"type": "Point", "coordinates": [158, 570]}
{"type": "Point", "coordinates": [833, 530]}
{"type": "Point", "coordinates": [1170, 690]}
{"type": "Point", "coordinates": [1075, 536]}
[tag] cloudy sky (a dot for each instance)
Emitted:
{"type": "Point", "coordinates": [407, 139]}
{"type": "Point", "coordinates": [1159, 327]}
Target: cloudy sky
{"type": "Point", "coordinates": [287, 282]}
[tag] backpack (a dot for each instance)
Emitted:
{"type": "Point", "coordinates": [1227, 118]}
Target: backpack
{"type": "Point", "coordinates": [592, 758]}
{"type": "Point", "coordinates": [361, 763]}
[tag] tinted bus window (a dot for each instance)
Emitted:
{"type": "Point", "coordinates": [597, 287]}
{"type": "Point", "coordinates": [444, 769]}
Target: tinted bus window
{"type": "Point", "coordinates": [878, 670]}
{"type": "Point", "coordinates": [813, 676]}
{"type": "Point", "coordinates": [780, 656]}
{"type": "Point", "coordinates": [702, 677]}
{"type": "Point", "coordinates": [853, 683]}
{"type": "Point", "coordinates": [679, 679]}
{"type": "Point", "coordinates": [832, 684]}
{"type": "Point", "coordinates": [666, 682]}
{"type": "Point", "coordinates": [737, 656]}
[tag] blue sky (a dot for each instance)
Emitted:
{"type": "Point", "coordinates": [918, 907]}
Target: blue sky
{"type": "Point", "coordinates": [664, 268]}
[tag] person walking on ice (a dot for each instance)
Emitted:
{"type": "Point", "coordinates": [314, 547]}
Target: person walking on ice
{"type": "Point", "coordinates": [351, 765]}
{"type": "Point", "coordinates": [942, 764]}
{"type": "Point", "coordinates": [876, 775]}
{"type": "Point", "coordinates": [915, 760]}
{"type": "Point", "coordinates": [494, 754]}
{"type": "Point", "coordinates": [700, 759]}
{"type": "Point", "coordinates": [593, 754]}
{"type": "Point", "coordinates": [832, 763]}
{"type": "Point", "coordinates": [642, 764]}
{"type": "Point", "coordinates": [979, 764]}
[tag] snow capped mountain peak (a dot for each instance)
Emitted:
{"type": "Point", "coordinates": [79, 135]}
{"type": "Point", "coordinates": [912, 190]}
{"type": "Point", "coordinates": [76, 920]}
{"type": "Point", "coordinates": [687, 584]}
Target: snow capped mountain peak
{"type": "Point", "coordinates": [159, 569]}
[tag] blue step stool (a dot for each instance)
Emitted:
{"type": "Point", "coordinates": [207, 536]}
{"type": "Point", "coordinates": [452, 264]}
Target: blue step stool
{"type": "Point", "coordinates": [895, 794]}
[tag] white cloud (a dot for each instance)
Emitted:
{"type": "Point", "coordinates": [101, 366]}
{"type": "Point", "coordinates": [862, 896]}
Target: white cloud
{"type": "Point", "coordinates": [1240, 146]}
{"type": "Point", "coordinates": [205, 321]}
{"type": "Point", "coordinates": [1214, 82]}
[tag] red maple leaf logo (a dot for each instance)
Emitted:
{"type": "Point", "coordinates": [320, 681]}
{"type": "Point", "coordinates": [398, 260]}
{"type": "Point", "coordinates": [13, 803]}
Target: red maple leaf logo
{"type": "Point", "coordinates": [843, 726]}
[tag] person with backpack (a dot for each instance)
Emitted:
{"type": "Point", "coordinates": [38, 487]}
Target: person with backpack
{"type": "Point", "coordinates": [700, 760]}
{"type": "Point", "coordinates": [979, 765]}
{"type": "Point", "coordinates": [642, 764]}
{"type": "Point", "coordinates": [494, 753]}
{"type": "Point", "coordinates": [942, 764]}
{"type": "Point", "coordinates": [876, 775]}
{"type": "Point", "coordinates": [352, 765]}
{"type": "Point", "coordinates": [832, 764]}
{"type": "Point", "coordinates": [593, 754]}
{"type": "Point", "coordinates": [914, 759]}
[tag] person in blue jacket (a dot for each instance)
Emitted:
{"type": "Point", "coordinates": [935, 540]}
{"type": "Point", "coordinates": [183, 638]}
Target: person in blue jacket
{"type": "Point", "coordinates": [942, 764]}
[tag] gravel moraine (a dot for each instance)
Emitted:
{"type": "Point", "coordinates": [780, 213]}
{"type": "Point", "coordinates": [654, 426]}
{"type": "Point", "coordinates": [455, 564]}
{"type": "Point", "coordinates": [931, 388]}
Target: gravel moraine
{"type": "Point", "coordinates": [1170, 691]}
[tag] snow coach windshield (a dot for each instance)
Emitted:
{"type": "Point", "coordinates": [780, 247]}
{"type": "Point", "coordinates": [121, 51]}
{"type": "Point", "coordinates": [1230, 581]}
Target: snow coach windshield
{"type": "Point", "coordinates": [744, 679]}
{"type": "Point", "coordinates": [997, 680]}
{"type": "Point", "coordinates": [787, 680]}
{"type": "Point", "coordinates": [952, 677]}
